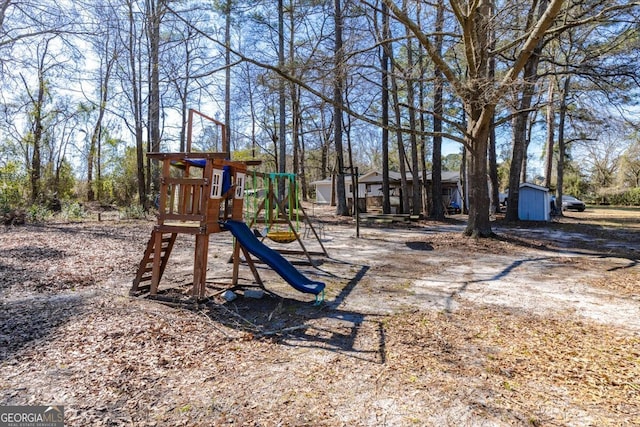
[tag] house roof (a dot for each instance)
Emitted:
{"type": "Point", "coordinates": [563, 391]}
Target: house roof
{"type": "Point", "coordinates": [375, 177]}
{"type": "Point", "coordinates": [321, 181]}
{"type": "Point", "coordinates": [330, 180]}
{"type": "Point", "coordinates": [534, 186]}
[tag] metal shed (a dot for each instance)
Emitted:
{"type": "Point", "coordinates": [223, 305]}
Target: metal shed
{"type": "Point", "coordinates": [534, 203]}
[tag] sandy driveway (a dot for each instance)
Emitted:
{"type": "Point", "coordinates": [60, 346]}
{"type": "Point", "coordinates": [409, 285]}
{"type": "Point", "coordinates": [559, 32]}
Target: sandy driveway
{"type": "Point", "coordinates": [414, 268]}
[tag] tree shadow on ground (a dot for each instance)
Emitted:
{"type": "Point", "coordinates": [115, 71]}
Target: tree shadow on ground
{"type": "Point", "coordinates": [293, 322]}
{"type": "Point", "coordinates": [32, 321]}
{"type": "Point", "coordinates": [27, 265]}
{"type": "Point", "coordinates": [575, 237]}
{"type": "Point", "coordinates": [88, 230]}
{"type": "Point", "coordinates": [296, 323]}
{"type": "Point", "coordinates": [31, 253]}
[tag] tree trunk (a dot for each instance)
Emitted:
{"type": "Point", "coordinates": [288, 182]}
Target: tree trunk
{"type": "Point", "coordinates": [525, 161]}
{"type": "Point", "coordinates": [38, 130]}
{"type": "Point", "coordinates": [338, 89]}
{"type": "Point", "coordinates": [252, 110]}
{"type": "Point", "coordinates": [282, 105]}
{"type": "Point", "coordinates": [478, 129]}
{"type": "Point", "coordinates": [303, 173]}
{"type": "Point", "coordinates": [386, 47]}
{"type": "Point", "coordinates": [137, 109]}
{"type": "Point", "coordinates": [155, 12]}
{"type": "Point", "coordinates": [437, 209]}
{"type": "Point", "coordinates": [519, 154]}
{"type": "Point", "coordinates": [416, 184]}
{"type": "Point", "coordinates": [295, 130]}
{"type": "Point", "coordinates": [402, 156]}
{"type": "Point", "coordinates": [184, 105]}
{"type": "Point", "coordinates": [493, 156]}
{"type": "Point", "coordinates": [564, 94]}
{"type": "Point", "coordinates": [226, 142]}
{"type": "Point", "coordinates": [94, 145]}
{"type": "Point", "coordinates": [326, 145]}
{"type": "Point", "coordinates": [296, 113]}
{"type": "Point", "coordinates": [464, 176]}
{"type": "Point", "coordinates": [548, 167]}
{"type": "Point", "coordinates": [493, 172]}
{"type": "Point", "coordinates": [422, 72]}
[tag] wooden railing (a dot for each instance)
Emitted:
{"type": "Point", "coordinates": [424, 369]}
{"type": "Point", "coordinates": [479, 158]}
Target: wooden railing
{"type": "Point", "coordinates": [184, 199]}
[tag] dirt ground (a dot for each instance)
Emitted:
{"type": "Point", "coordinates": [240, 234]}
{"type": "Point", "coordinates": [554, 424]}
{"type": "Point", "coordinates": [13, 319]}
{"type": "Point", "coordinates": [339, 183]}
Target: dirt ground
{"type": "Point", "coordinates": [420, 326]}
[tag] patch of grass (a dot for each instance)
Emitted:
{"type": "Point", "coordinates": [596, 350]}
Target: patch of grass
{"type": "Point", "coordinates": [607, 216]}
{"type": "Point", "coordinates": [185, 408]}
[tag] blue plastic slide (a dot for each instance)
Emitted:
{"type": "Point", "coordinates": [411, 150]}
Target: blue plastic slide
{"type": "Point", "coordinates": [272, 258]}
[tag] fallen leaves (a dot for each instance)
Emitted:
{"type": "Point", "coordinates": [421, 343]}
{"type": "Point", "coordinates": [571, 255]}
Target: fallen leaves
{"type": "Point", "coordinates": [69, 334]}
{"type": "Point", "coordinates": [528, 359]}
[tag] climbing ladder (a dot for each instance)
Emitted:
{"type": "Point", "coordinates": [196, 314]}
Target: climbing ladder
{"type": "Point", "coordinates": [165, 242]}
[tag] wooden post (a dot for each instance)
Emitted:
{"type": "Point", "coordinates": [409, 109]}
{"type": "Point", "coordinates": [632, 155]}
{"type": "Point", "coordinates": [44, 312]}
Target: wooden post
{"type": "Point", "coordinates": [157, 258]}
{"type": "Point", "coordinates": [189, 131]}
{"type": "Point", "coordinates": [236, 263]}
{"type": "Point", "coordinates": [200, 265]}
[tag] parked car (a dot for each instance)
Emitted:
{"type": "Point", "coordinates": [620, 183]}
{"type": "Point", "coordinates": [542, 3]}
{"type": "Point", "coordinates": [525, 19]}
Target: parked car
{"type": "Point", "coordinates": [570, 203]}
{"type": "Point", "coordinates": [502, 197]}
{"type": "Point", "coordinates": [454, 208]}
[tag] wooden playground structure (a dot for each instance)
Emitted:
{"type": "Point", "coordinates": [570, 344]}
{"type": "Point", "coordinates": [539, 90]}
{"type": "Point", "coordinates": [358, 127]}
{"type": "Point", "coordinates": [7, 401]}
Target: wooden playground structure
{"type": "Point", "coordinates": [208, 191]}
{"type": "Point", "coordinates": [199, 194]}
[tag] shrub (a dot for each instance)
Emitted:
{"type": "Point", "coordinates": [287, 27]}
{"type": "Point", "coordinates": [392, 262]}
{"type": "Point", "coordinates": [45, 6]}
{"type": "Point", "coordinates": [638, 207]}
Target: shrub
{"type": "Point", "coordinates": [72, 211]}
{"type": "Point", "coordinates": [134, 211]}
{"type": "Point", "coordinates": [12, 185]}
{"type": "Point", "coordinates": [38, 214]}
{"type": "Point", "coordinates": [629, 197]}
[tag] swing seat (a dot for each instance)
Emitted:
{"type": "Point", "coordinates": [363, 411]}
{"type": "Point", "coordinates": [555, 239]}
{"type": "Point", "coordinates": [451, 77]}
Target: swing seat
{"type": "Point", "coordinates": [282, 236]}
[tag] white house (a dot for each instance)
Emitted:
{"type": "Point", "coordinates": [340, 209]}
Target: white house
{"type": "Point", "coordinates": [370, 188]}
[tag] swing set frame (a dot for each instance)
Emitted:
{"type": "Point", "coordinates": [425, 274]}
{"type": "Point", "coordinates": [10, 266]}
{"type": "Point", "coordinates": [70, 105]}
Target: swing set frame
{"type": "Point", "coordinates": [283, 211]}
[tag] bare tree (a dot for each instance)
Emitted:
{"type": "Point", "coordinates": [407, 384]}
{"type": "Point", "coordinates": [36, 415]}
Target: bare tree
{"type": "Point", "coordinates": [416, 188]}
{"type": "Point", "coordinates": [437, 208]}
{"type": "Point", "coordinates": [478, 91]}
{"type": "Point", "coordinates": [384, 62]}
{"type": "Point", "coordinates": [338, 91]}
{"type": "Point", "coordinates": [106, 49]}
{"type": "Point", "coordinates": [131, 81]}
{"type": "Point", "coordinates": [155, 11]}
{"type": "Point", "coordinates": [24, 20]}
{"type": "Point", "coordinates": [629, 176]}
{"type": "Point", "coordinates": [521, 119]}
{"type": "Point", "coordinates": [550, 137]}
{"type": "Point", "coordinates": [37, 101]}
